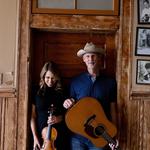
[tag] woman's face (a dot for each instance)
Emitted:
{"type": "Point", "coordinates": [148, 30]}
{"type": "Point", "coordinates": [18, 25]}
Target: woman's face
{"type": "Point", "coordinates": [49, 79]}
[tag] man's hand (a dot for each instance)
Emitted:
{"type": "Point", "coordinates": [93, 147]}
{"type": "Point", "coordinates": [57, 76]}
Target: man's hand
{"type": "Point", "coordinates": [114, 146]}
{"type": "Point", "coordinates": [68, 103]}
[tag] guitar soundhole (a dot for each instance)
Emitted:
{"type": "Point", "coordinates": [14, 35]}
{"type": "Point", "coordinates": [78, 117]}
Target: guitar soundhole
{"type": "Point", "coordinates": [99, 131]}
{"type": "Point", "coordinates": [89, 130]}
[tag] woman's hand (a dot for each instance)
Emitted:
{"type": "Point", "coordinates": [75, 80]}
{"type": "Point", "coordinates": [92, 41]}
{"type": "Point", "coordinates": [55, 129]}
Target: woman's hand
{"type": "Point", "coordinates": [54, 119]}
{"type": "Point", "coordinates": [36, 144]}
{"type": "Point", "coordinates": [68, 103]}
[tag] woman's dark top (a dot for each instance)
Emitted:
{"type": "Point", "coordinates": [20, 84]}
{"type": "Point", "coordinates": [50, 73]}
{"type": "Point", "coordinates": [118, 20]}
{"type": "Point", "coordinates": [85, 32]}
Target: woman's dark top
{"type": "Point", "coordinates": [44, 99]}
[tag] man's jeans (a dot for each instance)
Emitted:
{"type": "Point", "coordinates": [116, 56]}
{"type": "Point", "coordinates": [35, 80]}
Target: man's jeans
{"type": "Point", "coordinates": [80, 143]}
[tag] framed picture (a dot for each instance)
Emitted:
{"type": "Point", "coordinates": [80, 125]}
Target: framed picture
{"type": "Point", "coordinates": [142, 44]}
{"type": "Point", "coordinates": [143, 11]}
{"type": "Point", "coordinates": [143, 71]}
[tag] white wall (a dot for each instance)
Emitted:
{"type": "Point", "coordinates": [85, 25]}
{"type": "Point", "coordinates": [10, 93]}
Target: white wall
{"type": "Point", "coordinates": [8, 37]}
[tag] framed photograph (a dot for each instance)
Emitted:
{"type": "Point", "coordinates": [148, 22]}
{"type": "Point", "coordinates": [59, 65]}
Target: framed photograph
{"type": "Point", "coordinates": [142, 44]}
{"type": "Point", "coordinates": [143, 71]}
{"type": "Point", "coordinates": [143, 11]}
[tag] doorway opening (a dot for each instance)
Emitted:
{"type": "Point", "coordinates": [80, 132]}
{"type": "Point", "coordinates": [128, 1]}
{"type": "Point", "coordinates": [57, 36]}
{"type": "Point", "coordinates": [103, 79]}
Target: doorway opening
{"type": "Point", "coordinates": [61, 48]}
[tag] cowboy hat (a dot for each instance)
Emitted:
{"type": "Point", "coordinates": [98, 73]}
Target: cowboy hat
{"type": "Point", "coordinates": [90, 48]}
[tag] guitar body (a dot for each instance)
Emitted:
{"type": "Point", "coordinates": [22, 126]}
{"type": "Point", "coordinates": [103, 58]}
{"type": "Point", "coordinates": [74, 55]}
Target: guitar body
{"type": "Point", "coordinates": [86, 117]}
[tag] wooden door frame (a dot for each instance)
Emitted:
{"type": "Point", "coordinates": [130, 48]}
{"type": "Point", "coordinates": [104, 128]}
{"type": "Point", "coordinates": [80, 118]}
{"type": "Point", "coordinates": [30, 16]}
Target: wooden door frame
{"type": "Point", "coordinates": [124, 61]}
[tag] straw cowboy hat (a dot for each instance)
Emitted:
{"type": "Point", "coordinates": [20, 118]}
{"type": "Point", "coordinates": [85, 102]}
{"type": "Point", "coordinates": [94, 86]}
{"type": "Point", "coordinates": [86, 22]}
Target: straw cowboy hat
{"type": "Point", "coordinates": [90, 48]}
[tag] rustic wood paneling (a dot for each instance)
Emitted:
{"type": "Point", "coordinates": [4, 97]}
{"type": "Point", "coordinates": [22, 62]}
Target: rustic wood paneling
{"type": "Point", "coordinates": [136, 125]}
{"type": "Point", "coordinates": [8, 126]}
{"type": "Point", "coordinates": [76, 22]}
{"type": "Point", "coordinates": [23, 83]}
{"type": "Point", "coordinates": [139, 124]}
{"type": "Point", "coordinates": [146, 124]}
{"type": "Point", "coordinates": [62, 47]}
{"type": "Point", "coordinates": [133, 112]}
{"type": "Point", "coordinates": [123, 65]}
{"type": "Point", "coordinates": [11, 92]}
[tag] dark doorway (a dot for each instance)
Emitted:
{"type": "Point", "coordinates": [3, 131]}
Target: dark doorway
{"type": "Point", "coordinates": [61, 47]}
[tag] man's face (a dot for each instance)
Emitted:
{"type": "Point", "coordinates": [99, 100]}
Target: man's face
{"type": "Point", "coordinates": [92, 60]}
{"type": "Point", "coordinates": [146, 4]}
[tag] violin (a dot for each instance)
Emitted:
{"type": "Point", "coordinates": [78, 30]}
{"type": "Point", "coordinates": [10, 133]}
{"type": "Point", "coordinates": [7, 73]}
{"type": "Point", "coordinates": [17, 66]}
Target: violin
{"type": "Point", "coordinates": [51, 135]}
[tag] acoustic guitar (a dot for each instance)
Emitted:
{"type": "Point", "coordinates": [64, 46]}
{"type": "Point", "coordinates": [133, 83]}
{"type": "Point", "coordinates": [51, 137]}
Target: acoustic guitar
{"type": "Point", "coordinates": [88, 119]}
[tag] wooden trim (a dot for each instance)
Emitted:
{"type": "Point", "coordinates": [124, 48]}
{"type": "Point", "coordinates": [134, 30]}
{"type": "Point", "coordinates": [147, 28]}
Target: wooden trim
{"type": "Point", "coordinates": [8, 92]}
{"type": "Point", "coordinates": [141, 94]}
{"type": "Point", "coordinates": [90, 24]}
{"type": "Point", "coordinates": [114, 12]}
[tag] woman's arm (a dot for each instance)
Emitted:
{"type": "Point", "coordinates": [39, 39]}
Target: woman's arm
{"type": "Point", "coordinates": [34, 128]}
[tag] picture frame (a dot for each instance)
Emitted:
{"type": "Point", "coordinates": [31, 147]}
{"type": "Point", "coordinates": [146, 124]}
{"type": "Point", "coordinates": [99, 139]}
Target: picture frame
{"type": "Point", "coordinates": [143, 11]}
{"type": "Point", "coordinates": [71, 7]}
{"type": "Point", "coordinates": [142, 44]}
{"type": "Point", "coordinates": [143, 71]}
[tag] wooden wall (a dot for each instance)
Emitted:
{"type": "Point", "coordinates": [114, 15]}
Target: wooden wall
{"type": "Point", "coordinates": [133, 108]}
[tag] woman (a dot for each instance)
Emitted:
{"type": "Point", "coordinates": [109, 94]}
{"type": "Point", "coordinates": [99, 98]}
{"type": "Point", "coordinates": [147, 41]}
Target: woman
{"type": "Point", "coordinates": [49, 94]}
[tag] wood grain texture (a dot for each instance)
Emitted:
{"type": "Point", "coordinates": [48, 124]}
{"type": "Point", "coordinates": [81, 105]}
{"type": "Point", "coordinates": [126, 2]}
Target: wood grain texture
{"type": "Point", "coordinates": [62, 48]}
{"type": "Point", "coordinates": [133, 110]}
{"type": "Point", "coordinates": [76, 22]}
{"type": "Point", "coordinates": [8, 126]}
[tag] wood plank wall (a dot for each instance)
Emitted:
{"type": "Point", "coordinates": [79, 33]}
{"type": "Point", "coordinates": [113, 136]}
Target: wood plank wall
{"type": "Point", "coordinates": [8, 123]}
{"type": "Point", "coordinates": [133, 110]}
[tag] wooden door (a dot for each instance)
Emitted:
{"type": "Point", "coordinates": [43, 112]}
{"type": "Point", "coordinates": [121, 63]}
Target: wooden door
{"type": "Point", "coordinates": [61, 47]}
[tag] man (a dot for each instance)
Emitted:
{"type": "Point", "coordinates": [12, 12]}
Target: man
{"type": "Point", "coordinates": [92, 84]}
